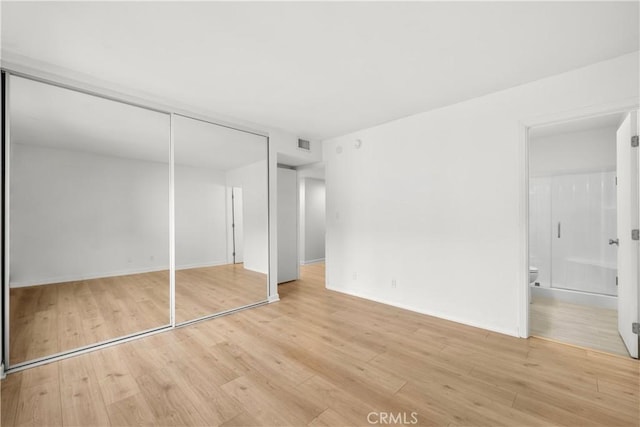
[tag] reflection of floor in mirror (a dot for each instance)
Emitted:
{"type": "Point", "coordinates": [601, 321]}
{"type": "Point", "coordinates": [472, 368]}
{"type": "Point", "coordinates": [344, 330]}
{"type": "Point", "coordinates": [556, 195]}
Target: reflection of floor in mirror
{"type": "Point", "coordinates": [580, 325]}
{"type": "Point", "coordinates": [50, 319]}
{"type": "Point", "coordinates": [208, 290]}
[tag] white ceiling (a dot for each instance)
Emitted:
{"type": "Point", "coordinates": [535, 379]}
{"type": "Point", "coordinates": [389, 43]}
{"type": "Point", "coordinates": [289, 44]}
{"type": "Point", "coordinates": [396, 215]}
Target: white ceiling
{"type": "Point", "coordinates": [203, 144]}
{"type": "Point", "coordinates": [318, 69]}
{"type": "Point", "coordinates": [316, 170]}
{"type": "Point", "coordinates": [52, 117]}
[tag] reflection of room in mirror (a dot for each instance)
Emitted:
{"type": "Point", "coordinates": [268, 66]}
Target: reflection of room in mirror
{"type": "Point", "coordinates": [221, 218]}
{"type": "Point", "coordinates": [89, 214]}
{"type": "Point", "coordinates": [90, 219]}
{"type": "Point", "coordinates": [236, 240]}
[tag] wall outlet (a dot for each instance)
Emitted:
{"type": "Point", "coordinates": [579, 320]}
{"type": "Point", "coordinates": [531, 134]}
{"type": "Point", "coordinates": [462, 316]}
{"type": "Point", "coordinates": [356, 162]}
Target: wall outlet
{"type": "Point", "coordinates": [151, 258]}
{"type": "Point", "coordinates": [393, 283]}
{"type": "Point", "coordinates": [355, 276]}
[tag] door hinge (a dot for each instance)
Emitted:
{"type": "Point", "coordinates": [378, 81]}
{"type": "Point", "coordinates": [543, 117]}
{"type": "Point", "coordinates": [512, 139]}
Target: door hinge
{"type": "Point", "coordinates": [635, 234]}
{"type": "Point", "coordinates": [635, 327]}
{"type": "Point", "coordinates": [234, 254]}
{"type": "Point", "coordinates": [634, 141]}
{"type": "Point", "coordinates": [616, 280]}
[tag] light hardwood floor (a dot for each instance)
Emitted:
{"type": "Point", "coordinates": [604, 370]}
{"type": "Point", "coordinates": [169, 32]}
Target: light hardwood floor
{"type": "Point", "coordinates": [575, 324]}
{"type": "Point", "coordinates": [323, 358]}
{"type": "Point", "coordinates": [203, 291]}
{"type": "Point", "coordinates": [53, 318]}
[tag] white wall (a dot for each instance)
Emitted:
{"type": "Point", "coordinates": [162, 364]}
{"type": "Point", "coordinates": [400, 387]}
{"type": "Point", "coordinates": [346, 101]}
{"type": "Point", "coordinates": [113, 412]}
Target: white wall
{"type": "Point", "coordinates": [50, 211]}
{"type": "Point", "coordinates": [587, 151]}
{"type": "Point", "coordinates": [200, 215]}
{"type": "Point", "coordinates": [287, 225]}
{"type": "Point", "coordinates": [2, 255]}
{"type": "Point", "coordinates": [433, 201]}
{"type": "Point", "coordinates": [57, 195]}
{"type": "Point", "coordinates": [255, 220]}
{"type": "Point", "coordinates": [312, 220]}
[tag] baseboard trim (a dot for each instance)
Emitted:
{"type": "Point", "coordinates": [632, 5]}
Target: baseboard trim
{"type": "Point", "coordinates": [512, 333]}
{"type": "Point", "coordinates": [312, 261]}
{"type": "Point", "coordinates": [76, 278]}
{"type": "Point", "coordinates": [575, 297]}
{"type": "Point", "coordinates": [273, 298]}
{"type": "Point", "coordinates": [200, 265]}
{"type": "Point", "coordinates": [587, 349]}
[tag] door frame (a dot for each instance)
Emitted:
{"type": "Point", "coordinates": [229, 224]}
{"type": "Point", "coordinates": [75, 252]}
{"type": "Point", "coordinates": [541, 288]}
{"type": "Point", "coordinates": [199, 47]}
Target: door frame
{"type": "Point", "coordinates": [232, 215]}
{"type": "Point", "coordinates": [622, 106]}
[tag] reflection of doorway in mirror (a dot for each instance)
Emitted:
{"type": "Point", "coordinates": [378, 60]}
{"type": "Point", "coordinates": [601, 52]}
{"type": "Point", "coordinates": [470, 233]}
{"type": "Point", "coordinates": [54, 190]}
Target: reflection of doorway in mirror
{"type": "Point", "coordinates": [237, 234]}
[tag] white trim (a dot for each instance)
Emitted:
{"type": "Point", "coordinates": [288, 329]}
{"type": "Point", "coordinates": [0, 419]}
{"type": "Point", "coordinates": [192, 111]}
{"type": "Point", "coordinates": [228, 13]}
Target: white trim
{"type": "Point", "coordinates": [312, 261]}
{"type": "Point", "coordinates": [619, 106]}
{"type": "Point", "coordinates": [298, 222]}
{"type": "Point", "coordinates": [3, 374]}
{"type": "Point", "coordinates": [85, 349]}
{"type": "Point", "coordinates": [439, 315]}
{"type": "Point", "coordinates": [272, 218]}
{"type": "Point", "coordinates": [273, 298]}
{"type": "Point", "coordinates": [523, 229]}
{"type": "Point", "coordinates": [76, 278]}
{"type": "Point", "coordinates": [202, 265]}
{"type": "Point", "coordinates": [227, 221]}
{"type": "Point", "coordinates": [172, 223]}
{"type": "Point", "coordinates": [575, 297]}
{"type": "Point", "coordinates": [220, 313]}
{"type": "Point", "coordinates": [7, 231]}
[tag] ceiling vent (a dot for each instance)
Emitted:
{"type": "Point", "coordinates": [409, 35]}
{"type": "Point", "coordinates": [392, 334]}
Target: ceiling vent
{"type": "Point", "coordinates": [304, 144]}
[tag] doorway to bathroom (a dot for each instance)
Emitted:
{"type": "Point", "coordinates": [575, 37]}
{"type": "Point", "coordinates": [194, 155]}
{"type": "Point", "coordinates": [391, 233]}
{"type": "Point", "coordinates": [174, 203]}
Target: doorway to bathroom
{"type": "Point", "coordinates": [575, 246]}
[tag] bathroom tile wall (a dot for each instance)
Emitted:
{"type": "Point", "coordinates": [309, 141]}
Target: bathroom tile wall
{"type": "Point", "coordinates": [582, 207]}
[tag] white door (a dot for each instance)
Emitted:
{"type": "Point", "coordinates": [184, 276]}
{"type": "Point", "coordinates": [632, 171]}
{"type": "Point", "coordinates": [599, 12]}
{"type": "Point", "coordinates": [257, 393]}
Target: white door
{"type": "Point", "coordinates": [627, 206]}
{"type": "Point", "coordinates": [287, 225]}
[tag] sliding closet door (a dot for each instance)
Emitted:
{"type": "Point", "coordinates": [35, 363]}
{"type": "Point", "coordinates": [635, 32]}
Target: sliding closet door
{"type": "Point", "coordinates": [221, 219]}
{"type": "Point", "coordinates": [88, 220]}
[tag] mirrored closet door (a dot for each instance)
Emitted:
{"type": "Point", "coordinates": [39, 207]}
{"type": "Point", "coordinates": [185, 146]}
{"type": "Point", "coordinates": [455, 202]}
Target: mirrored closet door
{"type": "Point", "coordinates": [221, 218]}
{"type": "Point", "coordinates": [88, 220]}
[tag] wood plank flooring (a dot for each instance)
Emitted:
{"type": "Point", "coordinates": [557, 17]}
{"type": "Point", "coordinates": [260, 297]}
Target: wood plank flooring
{"type": "Point", "coordinates": [581, 325]}
{"type": "Point", "coordinates": [50, 319]}
{"type": "Point", "coordinates": [323, 358]}
{"type": "Point", "coordinates": [207, 290]}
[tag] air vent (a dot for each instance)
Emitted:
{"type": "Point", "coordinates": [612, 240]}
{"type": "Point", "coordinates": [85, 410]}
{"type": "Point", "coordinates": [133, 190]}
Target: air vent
{"type": "Point", "coordinates": [304, 144]}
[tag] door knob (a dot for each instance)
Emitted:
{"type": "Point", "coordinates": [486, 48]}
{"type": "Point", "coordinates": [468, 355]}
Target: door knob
{"type": "Point", "coordinates": [613, 242]}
